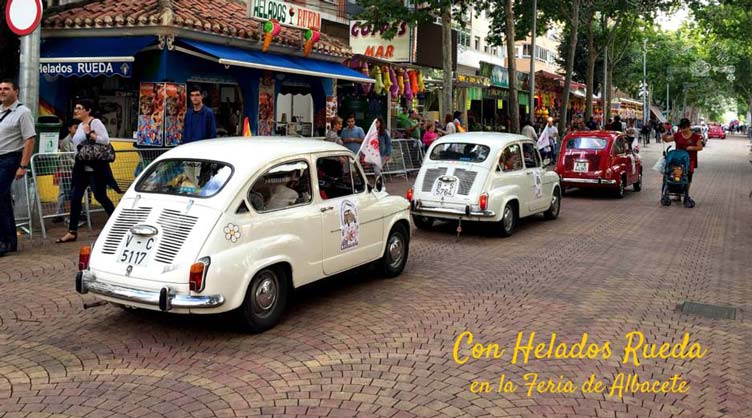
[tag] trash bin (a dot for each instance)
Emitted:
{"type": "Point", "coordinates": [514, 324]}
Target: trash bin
{"type": "Point", "coordinates": [48, 134]}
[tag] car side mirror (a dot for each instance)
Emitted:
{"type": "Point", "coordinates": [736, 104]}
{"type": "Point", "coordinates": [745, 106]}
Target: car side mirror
{"type": "Point", "coordinates": [378, 184]}
{"type": "Point", "coordinates": [546, 162]}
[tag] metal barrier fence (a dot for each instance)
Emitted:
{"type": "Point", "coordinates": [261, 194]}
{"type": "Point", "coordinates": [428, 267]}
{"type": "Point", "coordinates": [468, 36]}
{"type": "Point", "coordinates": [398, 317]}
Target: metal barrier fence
{"type": "Point", "coordinates": [51, 182]}
{"type": "Point", "coordinates": [21, 197]}
{"type": "Point", "coordinates": [407, 157]}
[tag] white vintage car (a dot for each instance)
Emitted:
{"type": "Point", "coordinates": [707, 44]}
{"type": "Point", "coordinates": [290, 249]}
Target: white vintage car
{"type": "Point", "coordinates": [237, 223]}
{"type": "Point", "coordinates": [486, 177]}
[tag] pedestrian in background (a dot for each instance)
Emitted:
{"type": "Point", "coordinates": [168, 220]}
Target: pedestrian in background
{"type": "Point", "coordinates": [352, 135]}
{"type": "Point", "coordinates": [199, 122]}
{"type": "Point", "coordinates": [62, 176]}
{"type": "Point", "coordinates": [332, 134]}
{"type": "Point", "coordinates": [429, 135]}
{"type": "Point", "coordinates": [449, 128]}
{"type": "Point", "coordinates": [529, 131]}
{"type": "Point", "coordinates": [692, 143]}
{"type": "Point", "coordinates": [385, 142]}
{"type": "Point", "coordinates": [16, 145]}
{"type": "Point", "coordinates": [552, 133]}
{"type": "Point", "coordinates": [94, 174]}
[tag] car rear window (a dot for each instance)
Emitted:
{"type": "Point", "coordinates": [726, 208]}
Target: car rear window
{"type": "Point", "coordinates": [587, 142]}
{"type": "Point", "coordinates": [194, 178]}
{"type": "Point", "coordinates": [452, 151]}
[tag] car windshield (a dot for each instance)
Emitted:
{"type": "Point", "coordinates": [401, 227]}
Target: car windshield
{"type": "Point", "coordinates": [473, 153]}
{"type": "Point", "coordinates": [587, 142]}
{"type": "Point", "coordinates": [193, 178]}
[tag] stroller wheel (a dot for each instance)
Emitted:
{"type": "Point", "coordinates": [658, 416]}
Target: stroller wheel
{"type": "Point", "coordinates": [665, 200]}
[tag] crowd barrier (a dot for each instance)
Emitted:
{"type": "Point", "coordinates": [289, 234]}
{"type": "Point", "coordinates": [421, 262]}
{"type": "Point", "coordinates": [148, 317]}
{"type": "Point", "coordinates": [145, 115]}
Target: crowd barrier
{"type": "Point", "coordinates": [51, 181]}
{"type": "Point", "coordinates": [407, 157]}
{"type": "Point", "coordinates": [21, 198]}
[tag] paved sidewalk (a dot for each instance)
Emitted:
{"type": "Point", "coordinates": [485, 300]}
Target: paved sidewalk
{"type": "Point", "coordinates": [358, 345]}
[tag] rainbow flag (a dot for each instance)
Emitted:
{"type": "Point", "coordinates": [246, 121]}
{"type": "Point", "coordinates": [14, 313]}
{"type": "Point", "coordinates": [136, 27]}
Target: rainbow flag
{"type": "Point", "coordinates": [246, 127]}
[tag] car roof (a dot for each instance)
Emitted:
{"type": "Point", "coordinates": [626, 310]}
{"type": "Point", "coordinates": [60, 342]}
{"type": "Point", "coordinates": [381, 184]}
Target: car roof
{"type": "Point", "coordinates": [491, 139]}
{"type": "Point", "coordinates": [598, 134]}
{"type": "Point", "coordinates": [250, 151]}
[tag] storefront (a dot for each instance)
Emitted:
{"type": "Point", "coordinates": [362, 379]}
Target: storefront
{"type": "Point", "coordinates": [140, 82]}
{"type": "Point", "coordinates": [496, 97]}
{"type": "Point", "coordinates": [549, 89]}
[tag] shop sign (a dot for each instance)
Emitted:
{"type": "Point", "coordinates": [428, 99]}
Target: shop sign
{"type": "Point", "coordinates": [286, 13]}
{"type": "Point", "coordinates": [473, 80]}
{"type": "Point", "coordinates": [92, 69]}
{"type": "Point", "coordinates": [365, 39]}
{"type": "Point", "coordinates": [499, 75]}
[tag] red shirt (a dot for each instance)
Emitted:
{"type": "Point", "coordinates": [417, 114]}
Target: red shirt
{"type": "Point", "coordinates": [683, 143]}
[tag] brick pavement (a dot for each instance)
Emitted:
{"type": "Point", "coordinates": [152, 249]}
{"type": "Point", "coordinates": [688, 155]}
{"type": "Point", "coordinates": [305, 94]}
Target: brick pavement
{"type": "Point", "coordinates": [357, 345]}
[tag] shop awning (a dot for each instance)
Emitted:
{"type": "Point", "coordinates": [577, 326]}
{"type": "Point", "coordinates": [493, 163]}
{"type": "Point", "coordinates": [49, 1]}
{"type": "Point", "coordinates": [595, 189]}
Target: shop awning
{"type": "Point", "coordinates": [229, 55]}
{"type": "Point", "coordinates": [91, 56]}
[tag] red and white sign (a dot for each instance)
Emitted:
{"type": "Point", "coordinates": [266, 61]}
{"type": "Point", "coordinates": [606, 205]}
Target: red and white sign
{"type": "Point", "coordinates": [366, 40]}
{"type": "Point", "coordinates": [23, 16]}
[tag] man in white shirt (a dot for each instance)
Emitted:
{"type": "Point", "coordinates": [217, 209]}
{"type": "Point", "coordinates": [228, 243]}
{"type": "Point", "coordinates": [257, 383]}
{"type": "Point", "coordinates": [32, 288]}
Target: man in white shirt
{"type": "Point", "coordinates": [529, 131]}
{"type": "Point", "coordinates": [16, 144]}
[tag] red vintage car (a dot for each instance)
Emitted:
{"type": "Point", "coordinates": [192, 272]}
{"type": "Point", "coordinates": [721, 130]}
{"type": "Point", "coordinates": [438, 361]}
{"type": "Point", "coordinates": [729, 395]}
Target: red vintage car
{"type": "Point", "coordinates": [716, 131]}
{"type": "Point", "coordinates": [599, 159]}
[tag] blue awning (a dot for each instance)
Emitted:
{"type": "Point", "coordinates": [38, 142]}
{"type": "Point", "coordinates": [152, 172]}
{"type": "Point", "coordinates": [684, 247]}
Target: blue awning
{"type": "Point", "coordinates": [229, 55]}
{"type": "Point", "coordinates": [69, 57]}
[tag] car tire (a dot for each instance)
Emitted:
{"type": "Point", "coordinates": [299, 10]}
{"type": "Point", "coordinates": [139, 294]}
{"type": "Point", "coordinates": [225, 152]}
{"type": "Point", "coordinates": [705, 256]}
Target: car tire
{"type": "Point", "coordinates": [508, 220]}
{"type": "Point", "coordinates": [619, 192]}
{"type": "Point", "coordinates": [638, 186]}
{"type": "Point", "coordinates": [423, 222]}
{"type": "Point", "coordinates": [265, 300]}
{"type": "Point", "coordinates": [553, 210]}
{"type": "Point", "coordinates": [397, 249]}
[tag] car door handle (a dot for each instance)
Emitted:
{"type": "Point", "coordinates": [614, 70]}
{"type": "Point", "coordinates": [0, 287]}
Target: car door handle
{"type": "Point", "coordinates": [529, 173]}
{"type": "Point", "coordinates": [327, 208]}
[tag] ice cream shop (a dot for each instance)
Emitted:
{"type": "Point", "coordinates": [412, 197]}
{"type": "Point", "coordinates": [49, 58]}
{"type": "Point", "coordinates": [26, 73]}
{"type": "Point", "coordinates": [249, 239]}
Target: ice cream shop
{"type": "Point", "coordinates": [136, 59]}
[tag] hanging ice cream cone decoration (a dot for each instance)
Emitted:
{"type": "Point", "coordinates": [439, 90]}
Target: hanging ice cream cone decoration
{"type": "Point", "coordinates": [246, 127]}
{"type": "Point", "coordinates": [364, 71]}
{"type": "Point", "coordinates": [378, 87]}
{"type": "Point", "coordinates": [421, 85]}
{"type": "Point", "coordinates": [271, 29]}
{"type": "Point", "coordinates": [413, 76]}
{"type": "Point", "coordinates": [387, 79]}
{"type": "Point", "coordinates": [394, 89]}
{"type": "Point", "coordinates": [311, 37]}
{"type": "Point", "coordinates": [408, 86]}
{"type": "Point", "coordinates": [400, 82]}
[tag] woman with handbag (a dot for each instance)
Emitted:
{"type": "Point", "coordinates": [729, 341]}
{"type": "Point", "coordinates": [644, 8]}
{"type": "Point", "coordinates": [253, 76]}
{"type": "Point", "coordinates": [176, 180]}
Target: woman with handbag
{"type": "Point", "coordinates": [94, 153]}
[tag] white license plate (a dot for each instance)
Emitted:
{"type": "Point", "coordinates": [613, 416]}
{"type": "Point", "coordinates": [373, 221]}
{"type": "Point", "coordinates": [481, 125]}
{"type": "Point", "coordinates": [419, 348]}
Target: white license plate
{"type": "Point", "coordinates": [136, 250]}
{"type": "Point", "coordinates": [581, 166]}
{"type": "Point", "coordinates": [445, 188]}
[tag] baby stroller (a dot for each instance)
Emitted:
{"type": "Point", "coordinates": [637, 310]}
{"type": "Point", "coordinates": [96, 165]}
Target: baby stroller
{"type": "Point", "coordinates": [675, 176]}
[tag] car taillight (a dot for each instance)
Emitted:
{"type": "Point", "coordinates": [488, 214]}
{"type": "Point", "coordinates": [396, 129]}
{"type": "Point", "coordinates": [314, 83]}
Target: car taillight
{"type": "Point", "coordinates": [483, 201]}
{"type": "Point", "coordinates": [83, 257]}
{"type": "Point", "coordinates": [197, 275]}
{"type": "Point", "coordinates": [409, 194]}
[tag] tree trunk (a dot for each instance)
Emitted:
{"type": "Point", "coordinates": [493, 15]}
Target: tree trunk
{"type": "Point", "coordinates": [609, 85]}
{"type": "Point", "coordinates": [446, 35]}
{"type": "Point", "coordinates": [574, 27]}
{"type": "Point", "coordinates": [590, 76]}
{"type": "Point", "coordinates": [514, 108]}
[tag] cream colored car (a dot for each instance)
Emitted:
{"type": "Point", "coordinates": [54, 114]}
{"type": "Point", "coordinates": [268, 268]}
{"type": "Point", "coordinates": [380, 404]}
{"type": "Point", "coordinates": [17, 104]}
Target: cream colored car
{"type": "Point", "coordinates": [236, 224]}
{"type": "Point", "coordinates": [485, 177]}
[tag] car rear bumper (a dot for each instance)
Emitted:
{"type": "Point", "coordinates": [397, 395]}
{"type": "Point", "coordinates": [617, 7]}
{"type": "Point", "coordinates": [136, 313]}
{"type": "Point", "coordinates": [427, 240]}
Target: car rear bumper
{"type": "Point", "coordinates": [420, 209]}
{"type": "Point", "coordinates": [165, 298]}
{"type": "Point", "coordinates": [581, 181]}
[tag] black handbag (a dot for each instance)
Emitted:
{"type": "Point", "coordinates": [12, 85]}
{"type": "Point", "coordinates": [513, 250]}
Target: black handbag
{"type": "Point", "coordinates": [90, 150]}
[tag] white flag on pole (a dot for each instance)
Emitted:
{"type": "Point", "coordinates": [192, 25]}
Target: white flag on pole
{"type": "Point", "coordinates": [370, 146]}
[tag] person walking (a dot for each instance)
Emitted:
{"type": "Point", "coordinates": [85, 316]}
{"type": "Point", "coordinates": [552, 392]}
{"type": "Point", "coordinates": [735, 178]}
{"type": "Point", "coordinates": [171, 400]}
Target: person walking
{"type": "Point", "coordinates": [94, 174]}
{"type": "Point", "coordinates": [692, 143]}
{"type": "Point", "coordinates": [352, 135]}
{"type": "Point", "coordinates": [616, 124]}
{"type": "Point", "coordinates": [199, 122]}
{"type": "Point", "coordinates": [552, 133]}
{"type": "Point", "coordinates": [449, 127]}
{"type": "Point", "coordinates": [385, 142]}
{"type": "Point", "coordinates": [16, 145]}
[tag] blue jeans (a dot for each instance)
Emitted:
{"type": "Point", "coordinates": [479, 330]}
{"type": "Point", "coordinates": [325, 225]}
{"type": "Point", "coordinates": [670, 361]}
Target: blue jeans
{"type": "Point", "coordinates": [8, 166]}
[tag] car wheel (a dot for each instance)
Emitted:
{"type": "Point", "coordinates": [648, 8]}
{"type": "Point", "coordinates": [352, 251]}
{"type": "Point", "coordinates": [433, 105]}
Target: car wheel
{"type": "Point", "coordinates": [620, 189]}
{"type": "Point", "coordinates": [395, 254]}
{"type": "Point", "coordinates": [638, 186]}
{"type": "Point", "coordinates": [508, 220]}
{"type": "Point", "coordinates": [423, 222]}
{"type": "Point", "coordinates": [553, 210]}
{"type": "Point", "coordinates": [265, 300]}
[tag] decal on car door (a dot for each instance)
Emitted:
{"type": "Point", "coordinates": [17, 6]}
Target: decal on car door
{"type": "Point", "coordinates": [349, 226]}
{"type": "Point", "coordinates": [232, 232]}
{"type": "Point", "coordinates": [538, 184]}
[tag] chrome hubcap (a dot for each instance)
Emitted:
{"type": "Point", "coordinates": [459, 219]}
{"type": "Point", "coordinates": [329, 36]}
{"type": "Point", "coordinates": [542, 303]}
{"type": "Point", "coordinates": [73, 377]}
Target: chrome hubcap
{"type": "Point", "coordinates": [508, 218]}
{"type": "Point", "coordinates": [396, 250]}
{"type": "Point", "coordinates": [266, 291]}
{"type": "Point", "coordinates": [555, 203]}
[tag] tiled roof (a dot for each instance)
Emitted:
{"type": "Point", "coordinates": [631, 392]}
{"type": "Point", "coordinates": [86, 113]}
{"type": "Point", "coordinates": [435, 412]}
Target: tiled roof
{"type": "Point", "coordinates": [219, 17]}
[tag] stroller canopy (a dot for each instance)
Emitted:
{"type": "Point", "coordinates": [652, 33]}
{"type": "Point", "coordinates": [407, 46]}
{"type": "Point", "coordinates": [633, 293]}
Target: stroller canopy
{"type": "Point", "coordinates": [677, 157]}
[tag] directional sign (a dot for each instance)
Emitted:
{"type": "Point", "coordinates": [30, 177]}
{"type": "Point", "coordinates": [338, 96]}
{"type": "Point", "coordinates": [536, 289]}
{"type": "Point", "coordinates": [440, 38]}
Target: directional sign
{"type": "Point", "coordinates": [23, 16]}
